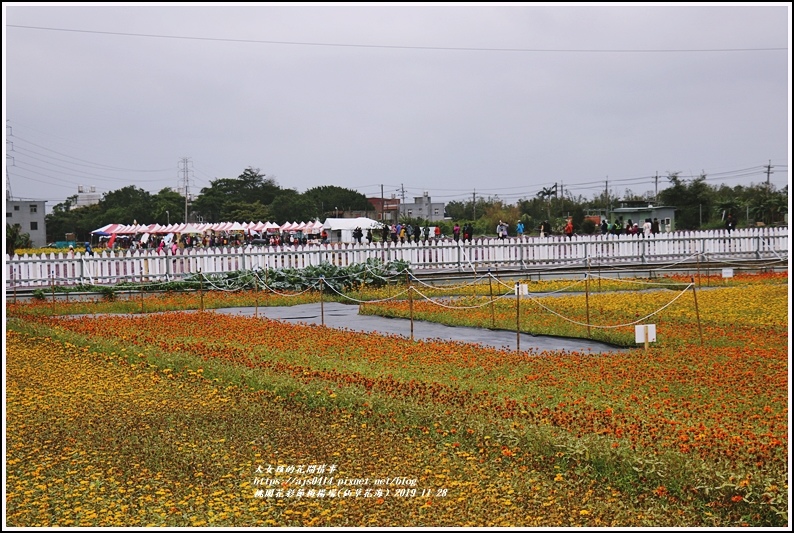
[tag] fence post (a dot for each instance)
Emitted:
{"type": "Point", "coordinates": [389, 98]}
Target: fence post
{"type": "Point", "coordinates": [521, 252]}
{"type": "Point", "coordinates": [256, 295]}
{"type": "Point", "coordinates": [697, 256]}
{"type": "Point", "coordinates": [587, 298]}
{"type": "Point", "coordinates": [490, 290]}
{"type": "Point", "coordinates": [52, 287]}
{"type": "Point", "coordinates": [411, 304]}
{"type": "Point", "coordinates": [201, 289]}
{"type": "Point", "coordinates": [518, 317]}
{"type": "Point", "coordinates": [697, 311]}
{"type": "Point", "coordinates": [322, 303]}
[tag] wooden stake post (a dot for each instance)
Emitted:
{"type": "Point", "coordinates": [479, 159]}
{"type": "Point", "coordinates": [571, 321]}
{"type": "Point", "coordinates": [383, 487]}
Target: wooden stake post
{"type": "Point", "coordinates": [490, 290]}
{"type": "Point", "coordinates": [256, 295]}
{"type": "Point", "coordinates": [411, 304]}
{"type": "Point", "coordinates": [322, 303]}
{"type": "Point", "coordinates": [518, 317]}
{"type": "Point", "coordinates": [587, 301]}
{"type": "Point", "coordinates": [697, 311]}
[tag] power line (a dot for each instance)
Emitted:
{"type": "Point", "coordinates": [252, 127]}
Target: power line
{"type": "Point", "coordinates": [90, 163]}
{"type": "Point", "coordinates": [404, 47]}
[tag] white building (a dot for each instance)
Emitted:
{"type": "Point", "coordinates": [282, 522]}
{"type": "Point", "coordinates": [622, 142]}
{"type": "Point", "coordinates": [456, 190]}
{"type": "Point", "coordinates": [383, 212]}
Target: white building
{"type": "Point", "coordinates": [29, 216]}
{"type": "Point", "coordinates": [423, 208]}
{"type": "Point", "coordinates": [87, 197]}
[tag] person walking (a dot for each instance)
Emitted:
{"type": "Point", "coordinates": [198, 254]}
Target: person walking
{"type": "Point", "coordinates": [730, 223]}
{"type": "Point", "coordinates": [646, 228]}
{"type": "Point", "coordinates": [569, 229]}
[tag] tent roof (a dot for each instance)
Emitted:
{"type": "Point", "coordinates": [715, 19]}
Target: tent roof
{"type": "Point", "coordinates": [350, 223]}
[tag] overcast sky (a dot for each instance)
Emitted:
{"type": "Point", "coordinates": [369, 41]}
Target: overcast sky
{"type": "Point", "coordinates": [501, 100]}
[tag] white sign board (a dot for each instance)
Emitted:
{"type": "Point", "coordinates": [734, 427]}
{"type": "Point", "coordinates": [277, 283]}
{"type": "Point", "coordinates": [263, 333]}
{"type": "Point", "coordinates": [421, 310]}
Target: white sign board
{"type": "Point", "coordinates": [639, 333]}
{"type": "Point", "coordinates": [727, 272]}
{"type": "Point", "coordinates": [521, 289]}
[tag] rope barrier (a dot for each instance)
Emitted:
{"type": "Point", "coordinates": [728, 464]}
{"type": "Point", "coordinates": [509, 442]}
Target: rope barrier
{"type": "Point", "coordinates": [544, 293]}
{"type": "Point", "coordinates": [628, 280]}
{"type": "Point", "coordinates": [451, 288]}
{"type": "Point", "coordinates": [756, 265]}
{"type": "Point", "coordinates": [552, 311]}
{"type": "Point", "coordinates": [364, 301]}
{"type": "Point", "coordinates": [274, 291]}
{"type": "Point", "coordinates": [396, 276]}
{"type": "Point", "coordinates": [439, 304]}
{"type": "Point", "coordinates": [635, 268]}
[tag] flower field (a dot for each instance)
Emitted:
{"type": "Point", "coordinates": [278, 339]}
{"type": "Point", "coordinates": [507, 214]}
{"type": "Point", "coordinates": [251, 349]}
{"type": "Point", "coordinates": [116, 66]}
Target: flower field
{"type": "Point", "coordinates": [207, 419]}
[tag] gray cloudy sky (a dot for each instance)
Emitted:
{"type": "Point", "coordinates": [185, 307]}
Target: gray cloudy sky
{"type": "Point", "coordinates": [498, 99]}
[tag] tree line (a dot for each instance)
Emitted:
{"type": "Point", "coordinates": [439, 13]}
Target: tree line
{"type": "Point", "coordinates": [254, 196]}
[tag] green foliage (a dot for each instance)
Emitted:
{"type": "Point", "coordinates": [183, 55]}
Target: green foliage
{"type": "Point", "coordinates": [328, 198]}
{"type": "Point", "coordinates": [127, 205]}
{"type": "Point", "coordinates": [588, 227]}
{"type": "Point", "coordinates": [15, 238]}
{"type": "Point", "coordinates": [693, 201]}
{"type": "Point", "coordinates": [225, 195]}
{"type": "Point", "coordinates": [291, 206]}
{"type": "Point", "coordinates": [253, 197]}
{"type": "Point", "coordinates": [372, 274]}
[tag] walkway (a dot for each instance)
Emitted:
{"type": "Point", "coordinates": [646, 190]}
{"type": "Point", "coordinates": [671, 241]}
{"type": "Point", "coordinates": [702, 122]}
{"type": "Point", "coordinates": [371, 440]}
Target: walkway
{"type": "Point", "coordinates": [342, 316]}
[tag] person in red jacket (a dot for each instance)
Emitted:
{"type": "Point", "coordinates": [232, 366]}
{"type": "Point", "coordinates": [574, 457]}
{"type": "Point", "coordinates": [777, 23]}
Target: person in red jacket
{"type": "Point", "coordinates": [569, 228]}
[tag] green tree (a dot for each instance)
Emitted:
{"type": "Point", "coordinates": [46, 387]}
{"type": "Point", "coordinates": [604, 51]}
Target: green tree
{"type": "Point", "coordinates": [545, 194]}
{"type": "Point", "coordinates": [225, 195]}
{"type": "Point", "coordinates": [126, 206]}
{"type": "Point", "coordinates": [248, 212]}
{"type": "Point", "coordinates": [291, 206]}
{"type": "Point", "coordinates": [767, 205]}
{"type": "Point", "coordinates": [15, 239]}
{"type": "Point", "coordinates": [167, 207]}
{"type": "Point", "coordinates": [81, 221]}
{"type": "Point", "coordinates": [693, 201]}
{"type": "Point", "coordinates": [458, 210]}
{"type": "Point", "coordinates": [470, 210]}
{"type": "Point", "coordinates": [329, 197]}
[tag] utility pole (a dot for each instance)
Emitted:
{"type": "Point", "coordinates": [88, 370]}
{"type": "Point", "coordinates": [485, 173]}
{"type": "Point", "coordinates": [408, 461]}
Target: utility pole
{"type": "Point", "coordinates": [402, 201]}
{"type": "Point", "coordinates": [381, 203]}
{"type": "Point", "coordinates": [9, 148]}
{"type": "Point", "coordinates": [560, 196]}
{"type": "Point", "coordinates": [656, 189]}
{"type": "Point", "coordinates": [768, 172]}
{"type": "Point", "coordinates": [606, 190]}
{"type": "Point", "coordinates": [184, 169]}
{"type": "Point", "coordinates": [474, 205]}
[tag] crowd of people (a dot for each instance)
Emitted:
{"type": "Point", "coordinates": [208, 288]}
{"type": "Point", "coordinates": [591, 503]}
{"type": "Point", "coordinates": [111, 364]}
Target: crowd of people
{"type": "Point", "coordinates": [395, 233]}
{"type": "Point", "coordinates": [649, 227]}
{"type": "Point", "coordinates": [191, 240]}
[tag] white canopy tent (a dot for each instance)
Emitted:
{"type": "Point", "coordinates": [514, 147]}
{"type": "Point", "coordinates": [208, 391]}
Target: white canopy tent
{"type": "Point", "coordinates": [341, 229]}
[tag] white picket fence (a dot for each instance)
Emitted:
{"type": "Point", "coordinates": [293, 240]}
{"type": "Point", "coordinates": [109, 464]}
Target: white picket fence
{"type": "Point", "coordinates": [110, 267]}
